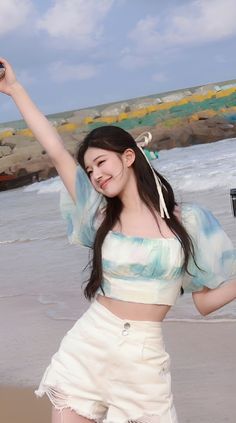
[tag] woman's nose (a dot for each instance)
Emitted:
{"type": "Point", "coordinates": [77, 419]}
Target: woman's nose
{"type": "Point", "coordinates": [97, 174]}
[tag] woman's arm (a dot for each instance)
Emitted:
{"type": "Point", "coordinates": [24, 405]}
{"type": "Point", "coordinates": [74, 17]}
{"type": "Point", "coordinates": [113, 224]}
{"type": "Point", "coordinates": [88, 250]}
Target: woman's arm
{"type": "Point", "coordinates": [209, 300]}
{"type": "Point", "coordinates": [42, 129]}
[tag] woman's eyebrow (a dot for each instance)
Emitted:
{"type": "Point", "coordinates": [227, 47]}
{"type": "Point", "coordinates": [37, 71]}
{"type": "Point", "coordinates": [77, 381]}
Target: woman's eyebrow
{"type": "Point", "coordinates": [101, 155]}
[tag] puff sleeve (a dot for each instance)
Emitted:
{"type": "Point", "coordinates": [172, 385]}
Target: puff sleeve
{"type": "Point", "coordinates": [214, 252]}
{"type": "Point", "coordinates": [85, 215]}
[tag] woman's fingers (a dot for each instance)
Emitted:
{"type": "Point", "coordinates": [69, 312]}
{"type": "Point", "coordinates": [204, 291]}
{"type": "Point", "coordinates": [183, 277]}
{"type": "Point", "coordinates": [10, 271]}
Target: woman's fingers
{"type": "Point", "coordinates": [2, 70]}
{"type": "Point", "coordinates": [8, 79]}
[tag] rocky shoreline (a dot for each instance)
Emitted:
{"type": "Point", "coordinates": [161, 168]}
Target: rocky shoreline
{"type": "Point", "coordinates": [177, 119]}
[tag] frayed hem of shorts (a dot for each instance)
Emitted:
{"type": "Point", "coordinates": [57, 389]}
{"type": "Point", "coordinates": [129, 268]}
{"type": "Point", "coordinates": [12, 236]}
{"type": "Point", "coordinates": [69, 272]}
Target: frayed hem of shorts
{"type": "Point", "coordinates": [145, 418]}
{"type": "Point", "coordinates": [60, 402]}
{"type": "Point", "coordinates": [171, 417]}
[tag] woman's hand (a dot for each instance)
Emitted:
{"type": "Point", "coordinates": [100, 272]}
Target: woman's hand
{"type": "Point", "coordinates": [9, 80]}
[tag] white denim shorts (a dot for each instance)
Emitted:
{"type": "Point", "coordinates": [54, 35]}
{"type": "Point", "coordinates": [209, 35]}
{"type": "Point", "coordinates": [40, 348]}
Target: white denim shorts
{"type": "Point", "coordinates": [111, 370]}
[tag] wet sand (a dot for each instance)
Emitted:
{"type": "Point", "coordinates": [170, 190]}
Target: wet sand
{"type": "Point", "coordinates": [203, 376]}
{"type": "Point", "coordinates": [202, 353]}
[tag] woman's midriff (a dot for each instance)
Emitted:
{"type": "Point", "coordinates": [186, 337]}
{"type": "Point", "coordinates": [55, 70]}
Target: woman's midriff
{"type": "Point", "coordinates": [134, 311]}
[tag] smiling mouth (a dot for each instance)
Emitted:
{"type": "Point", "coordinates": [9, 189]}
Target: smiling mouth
{"type": "Point", "coordinates": [104, 184]}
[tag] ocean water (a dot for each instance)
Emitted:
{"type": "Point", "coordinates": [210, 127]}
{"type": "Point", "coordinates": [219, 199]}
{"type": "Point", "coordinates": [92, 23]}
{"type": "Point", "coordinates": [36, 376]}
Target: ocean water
{"type": "Point", "coordinates": [37, 260]}
{"type": "Point", "coordinates": [41, 291]}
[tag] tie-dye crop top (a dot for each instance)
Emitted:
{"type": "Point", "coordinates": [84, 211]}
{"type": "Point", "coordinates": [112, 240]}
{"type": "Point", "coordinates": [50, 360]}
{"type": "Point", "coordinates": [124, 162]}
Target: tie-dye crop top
{"type": "Point", "coordinates": [147, 270]}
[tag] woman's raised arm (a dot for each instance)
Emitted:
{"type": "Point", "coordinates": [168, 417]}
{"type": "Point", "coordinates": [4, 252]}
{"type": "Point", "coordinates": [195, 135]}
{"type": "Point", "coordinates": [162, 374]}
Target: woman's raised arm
{"type": "Point", "coordinates": [42, 129]}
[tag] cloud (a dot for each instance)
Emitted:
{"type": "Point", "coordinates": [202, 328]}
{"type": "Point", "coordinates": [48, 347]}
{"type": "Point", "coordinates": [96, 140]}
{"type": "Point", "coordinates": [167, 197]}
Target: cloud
{"type": "Point", "coordinates": [62, 72]}
{"type": "Point", "coordinates": [194, 23]}
{"type": "Point", "coordinates": [203, 22]}
{"type": "Point", "coordinates": [13, 14]}
{"type": "Point", "coordinates": [76, 21]}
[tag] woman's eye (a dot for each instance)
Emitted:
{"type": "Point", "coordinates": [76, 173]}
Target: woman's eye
{"type": "Point", "coordinates": [89, 172]}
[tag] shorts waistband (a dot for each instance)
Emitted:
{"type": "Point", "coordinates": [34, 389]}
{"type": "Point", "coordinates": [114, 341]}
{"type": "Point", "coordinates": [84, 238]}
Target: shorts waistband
{"type": "Point", "coordinates": [98, 312]}
{"type": "Point", "coordinates": [98, 306]}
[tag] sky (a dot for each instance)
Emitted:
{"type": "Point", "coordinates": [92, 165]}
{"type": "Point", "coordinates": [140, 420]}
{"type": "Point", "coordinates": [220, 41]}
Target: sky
{"type": "Point", "coordinates": [71, 54]}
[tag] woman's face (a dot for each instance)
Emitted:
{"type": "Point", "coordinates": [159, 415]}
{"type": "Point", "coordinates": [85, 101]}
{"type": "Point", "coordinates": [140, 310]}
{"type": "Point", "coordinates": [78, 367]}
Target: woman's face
{"type": "Point", "coordinates": [108, 171]}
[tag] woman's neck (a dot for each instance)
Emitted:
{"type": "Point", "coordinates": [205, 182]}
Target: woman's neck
{"type": "Point", "coordinates": [132, 203]}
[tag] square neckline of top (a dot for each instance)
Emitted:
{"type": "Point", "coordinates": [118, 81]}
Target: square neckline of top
{"type": "Point", "coordinates": [141, 238]}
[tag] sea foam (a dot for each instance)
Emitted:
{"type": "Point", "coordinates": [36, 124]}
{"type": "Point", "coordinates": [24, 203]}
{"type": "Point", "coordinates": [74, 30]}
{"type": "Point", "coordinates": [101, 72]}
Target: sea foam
{"type": "Point", "coordinates": [189, 169]}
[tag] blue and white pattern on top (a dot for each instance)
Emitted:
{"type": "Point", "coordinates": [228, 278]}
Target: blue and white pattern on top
{"type": "Point", "coordinates": [148, 270]}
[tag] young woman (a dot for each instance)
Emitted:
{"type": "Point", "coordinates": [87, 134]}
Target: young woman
{"type": "Point", "coordinates": [112, 365]}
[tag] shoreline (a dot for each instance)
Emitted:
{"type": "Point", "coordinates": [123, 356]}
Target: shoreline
{"type": "Point", "coordinates": [202, 354]}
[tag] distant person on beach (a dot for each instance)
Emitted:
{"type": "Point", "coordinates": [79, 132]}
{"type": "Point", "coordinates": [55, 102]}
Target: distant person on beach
{"type": "Point", "coordinates": [147, 249]}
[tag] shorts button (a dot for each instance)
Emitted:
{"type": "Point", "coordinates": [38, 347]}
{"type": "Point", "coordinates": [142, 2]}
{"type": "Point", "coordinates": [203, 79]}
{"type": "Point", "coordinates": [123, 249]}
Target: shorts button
{"type": "Point", "coordinates": [127, 325]}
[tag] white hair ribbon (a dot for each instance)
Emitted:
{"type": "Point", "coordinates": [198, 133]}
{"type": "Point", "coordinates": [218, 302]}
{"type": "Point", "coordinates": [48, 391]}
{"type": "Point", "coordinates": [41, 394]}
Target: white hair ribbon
{"type": "Point", "coordinates": [142, 141]}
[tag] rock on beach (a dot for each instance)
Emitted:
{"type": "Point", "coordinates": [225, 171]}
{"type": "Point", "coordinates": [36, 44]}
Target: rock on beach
{"type": "Point", "coordinates": [175, 119]}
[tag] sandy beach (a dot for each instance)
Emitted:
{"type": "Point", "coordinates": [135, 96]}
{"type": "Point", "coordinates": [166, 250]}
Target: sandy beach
{"type": "Point", "coordinates": [41, 296]}
{"type": "Point", "coordinates": [164, 73]}
{"type": "Point", "coordinates": [203, 375]}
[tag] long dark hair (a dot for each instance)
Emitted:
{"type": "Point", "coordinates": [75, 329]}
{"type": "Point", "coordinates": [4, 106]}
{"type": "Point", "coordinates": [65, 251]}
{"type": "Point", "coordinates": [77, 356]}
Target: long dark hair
{"type": "Point", "coordinates": [115, 139]}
